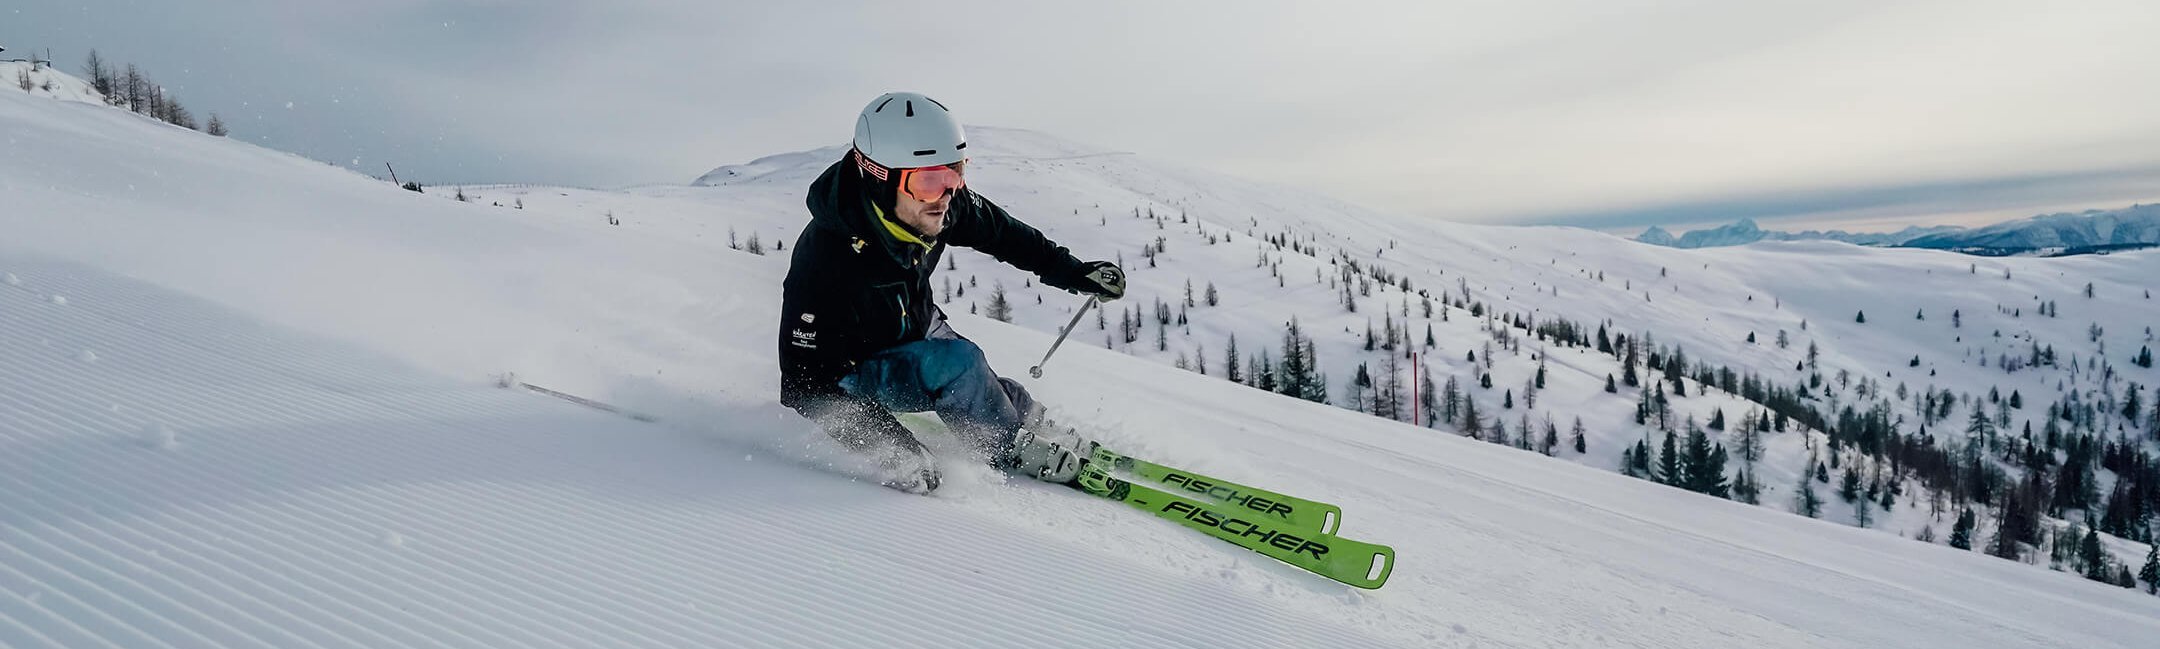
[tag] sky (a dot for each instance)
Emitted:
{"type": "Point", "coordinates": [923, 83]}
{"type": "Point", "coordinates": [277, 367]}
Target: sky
{"type": "Point", "coordinates": [1611, 114]}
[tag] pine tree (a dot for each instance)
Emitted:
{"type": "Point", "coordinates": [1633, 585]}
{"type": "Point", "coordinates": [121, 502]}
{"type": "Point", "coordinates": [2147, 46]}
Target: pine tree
{"type": "Point", "coordinates": [1451, 400]}
{"type": "Point", "coordinates": [1210, 295]}
{"type": "Point", "coordinates": [1668, 467]}
{"type": "Point", "coordinates": [1712, 476]}
{"type": "Point", "coordinates": [2151, 572]}
{"type": "Point", "coordinates": [1428, 394]}
{"type": "Point", "coordinates": [1360, 383]}
{"type": "Point", "coordinates": [1473, 425]}
{"type": "Point", "coordinates": [1230, 362]}
{"type": "Point", "coordinates": [1702, 466]}
{"type": "Point", "coordinates": [1507, 399]}
{"type": "Point", "coordinates": [1000, 309]}
{"type": "Point", "coordinates": [1581, 445]}
{"type": "Point", "coordinates": [1961, 532]}
{"type": "Point", "coordinates": [1745, 488]}
{"type": "Point", "coordinates": [2131, 406]}
{"type": "Point", "coordinates": [1979, 426]}
{"type": "Point", "coordinates": [1861, 317]}
{"type": "Point", "coordinates": [1315, 383]}
{"type": "Point", "coordinates": [1849, 484]}
{"type": "Point", "coordinates": [1805, 502]}
{"type": "Point", "coordinates": [2091, 556]}
{"type": "Point", "coordinates": [1296, 367]}
{"type": "Point", "coordinates": [1609, 387]}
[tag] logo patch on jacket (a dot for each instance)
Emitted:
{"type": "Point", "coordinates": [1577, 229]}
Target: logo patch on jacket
{"type": "Point", "coordinates": [803, 339]}
{"type": "Point", "coordinates": [859, 243]}
{"type": "Point", "coordinates": [808, 318]}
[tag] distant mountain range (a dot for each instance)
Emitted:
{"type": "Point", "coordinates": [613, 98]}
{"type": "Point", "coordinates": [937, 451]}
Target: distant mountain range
{"type": "Point", "coordinates": [2091, 231]}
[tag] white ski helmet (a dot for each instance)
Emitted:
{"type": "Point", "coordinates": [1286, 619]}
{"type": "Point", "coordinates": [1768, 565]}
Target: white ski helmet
{"type": "Point", "coordinates": [905, 130]}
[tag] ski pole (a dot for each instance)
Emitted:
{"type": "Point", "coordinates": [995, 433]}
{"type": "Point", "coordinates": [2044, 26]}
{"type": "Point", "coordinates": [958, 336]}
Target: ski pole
{"type": "Point", "coordinates": [1036, 371]}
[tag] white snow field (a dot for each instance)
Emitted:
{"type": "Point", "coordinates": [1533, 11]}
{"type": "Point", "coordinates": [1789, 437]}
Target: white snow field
{"type": "Point", "coordinates": [248, 400]}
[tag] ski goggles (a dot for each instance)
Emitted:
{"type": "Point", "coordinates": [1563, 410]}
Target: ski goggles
{"type": "Point", "coordinates": [931, 184]}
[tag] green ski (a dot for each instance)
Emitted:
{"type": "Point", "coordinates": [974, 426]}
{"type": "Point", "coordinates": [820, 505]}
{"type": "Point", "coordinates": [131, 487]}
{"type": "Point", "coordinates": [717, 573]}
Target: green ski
{"type": "Point", "coordinates": [1290, 511]}
{"type": "Point", "coordinates": [1364, 565]}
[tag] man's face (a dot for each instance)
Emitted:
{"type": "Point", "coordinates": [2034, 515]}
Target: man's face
{"type": "Point", "coordinates": [926, 217]}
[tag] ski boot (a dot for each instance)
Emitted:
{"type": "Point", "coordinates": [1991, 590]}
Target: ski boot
{"type": "Point", "coordinates": [1047, 452]}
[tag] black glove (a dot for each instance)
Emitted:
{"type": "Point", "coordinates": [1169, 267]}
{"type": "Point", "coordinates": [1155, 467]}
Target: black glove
{"type": "Point", "coordinates": [1101, 279]}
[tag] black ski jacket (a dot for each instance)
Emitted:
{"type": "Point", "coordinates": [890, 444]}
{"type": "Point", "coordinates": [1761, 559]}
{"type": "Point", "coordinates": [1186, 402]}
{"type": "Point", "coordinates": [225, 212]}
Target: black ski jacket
{"type": "Point", "coordinates": [859, 282]}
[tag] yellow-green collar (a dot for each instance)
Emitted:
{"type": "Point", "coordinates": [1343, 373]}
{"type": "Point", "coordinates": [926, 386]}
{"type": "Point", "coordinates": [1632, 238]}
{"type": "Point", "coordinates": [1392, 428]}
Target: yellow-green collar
{"type": "Point", "coordinates": [898, 231]}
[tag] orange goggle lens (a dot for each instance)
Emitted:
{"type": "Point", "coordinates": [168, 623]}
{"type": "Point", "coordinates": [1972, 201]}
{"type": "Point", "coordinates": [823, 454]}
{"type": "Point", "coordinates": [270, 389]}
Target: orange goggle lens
{"type": "Point", "coordinates": [929, 184]}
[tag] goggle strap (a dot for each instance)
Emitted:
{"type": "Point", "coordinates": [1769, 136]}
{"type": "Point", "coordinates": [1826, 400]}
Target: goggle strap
{"type": "Point", "coordinates": [871, 167]}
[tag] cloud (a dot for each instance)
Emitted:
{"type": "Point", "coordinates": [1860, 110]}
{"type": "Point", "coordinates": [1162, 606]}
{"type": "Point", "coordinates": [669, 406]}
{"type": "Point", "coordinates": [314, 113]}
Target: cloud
{"type": "Point", "coordinates": [1999, 197]}
{"type": "Point", "coordinates": [1479, 111]}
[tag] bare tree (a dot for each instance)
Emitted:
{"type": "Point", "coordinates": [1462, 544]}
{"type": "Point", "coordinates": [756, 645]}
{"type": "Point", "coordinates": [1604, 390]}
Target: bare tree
{"type": "Point", "coordinates": [101, 75]}
{"type": "Point", "coordinates": [178, 115]}
{"type": "Point", "coordinates": [135, 88]}
{"type": "Point", "coordinates": [217, 128]}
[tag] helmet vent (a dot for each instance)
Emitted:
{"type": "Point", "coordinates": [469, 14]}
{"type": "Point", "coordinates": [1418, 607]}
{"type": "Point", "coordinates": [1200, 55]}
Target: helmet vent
{"type": "Point", "coordinates": [911, 109]}
{"type": "Point", "coordinates": [881, 105]}
{"type": "Point", "coordinates": [926, 152]}
{"type": "Point", "coordinates": [959, 146]}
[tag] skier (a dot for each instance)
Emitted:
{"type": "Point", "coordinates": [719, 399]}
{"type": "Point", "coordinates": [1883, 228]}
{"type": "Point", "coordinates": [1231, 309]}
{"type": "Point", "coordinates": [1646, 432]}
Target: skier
{"type": "Point", "coordinates": [860, 337]}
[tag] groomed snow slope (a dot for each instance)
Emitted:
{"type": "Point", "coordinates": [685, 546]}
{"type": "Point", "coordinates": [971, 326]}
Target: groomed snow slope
{"type": "Point", "coordinates": [245, 401]}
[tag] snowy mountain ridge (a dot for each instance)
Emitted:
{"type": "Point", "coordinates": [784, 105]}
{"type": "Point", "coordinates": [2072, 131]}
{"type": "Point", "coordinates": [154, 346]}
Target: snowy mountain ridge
{"type": "Point", "coordinates": [1745, 231]}
{"type": "Point", "coordinates": [250, 404]}
{"type": "Point", "coordinates": [2060, 233]}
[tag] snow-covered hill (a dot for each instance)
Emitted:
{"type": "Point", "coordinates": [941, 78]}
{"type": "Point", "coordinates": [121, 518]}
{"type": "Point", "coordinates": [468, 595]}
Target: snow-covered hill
{"type": "Point", "coordinates": [248, 402]}
{"type": "Point", "coordinates": [47, 82]}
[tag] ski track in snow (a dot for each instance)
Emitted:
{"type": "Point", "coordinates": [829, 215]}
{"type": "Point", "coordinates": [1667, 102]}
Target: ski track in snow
{"type": "Point", "coordinates": [325, 497]}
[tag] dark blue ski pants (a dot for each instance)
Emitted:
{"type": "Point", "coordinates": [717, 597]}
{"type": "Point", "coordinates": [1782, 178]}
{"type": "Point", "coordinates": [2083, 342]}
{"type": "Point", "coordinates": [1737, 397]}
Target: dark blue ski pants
{"type": "Point", "coordinates": [947, 374]}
